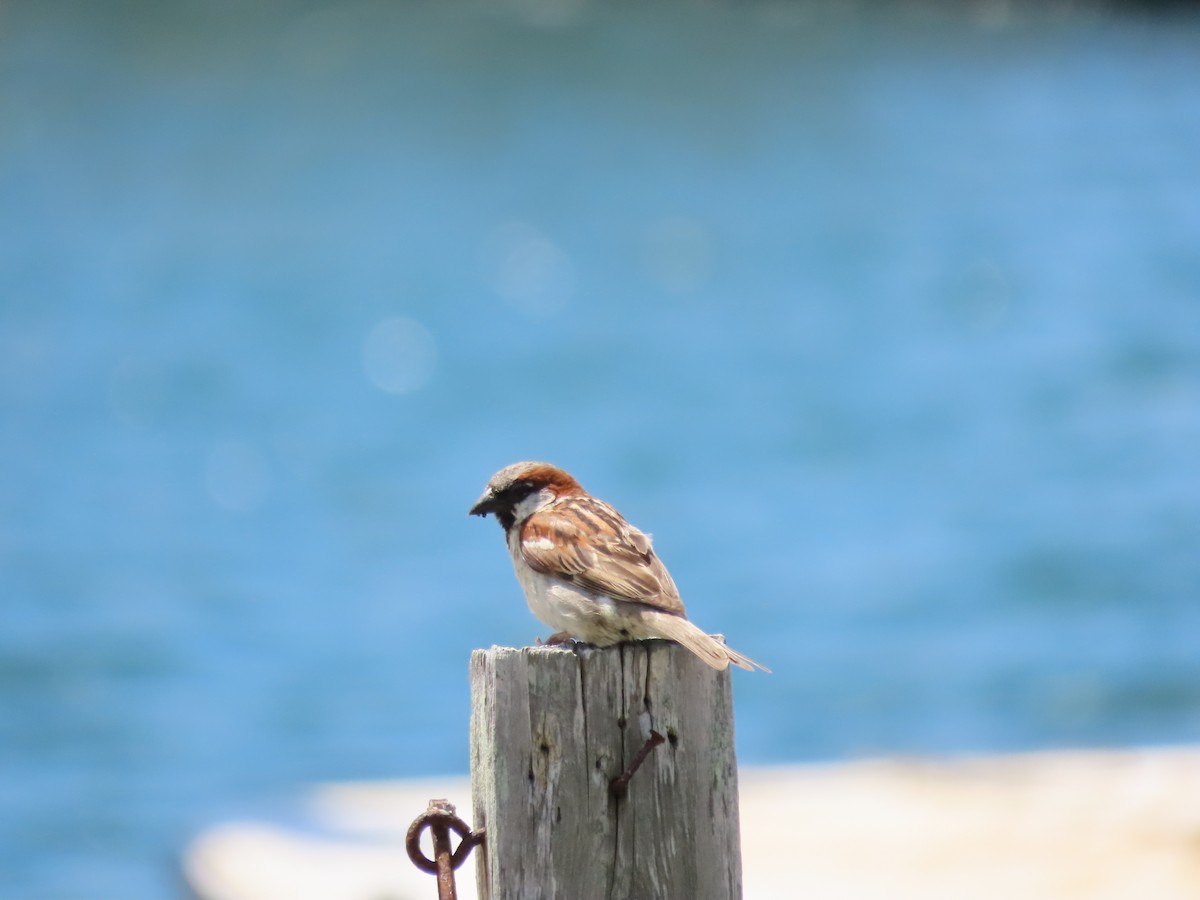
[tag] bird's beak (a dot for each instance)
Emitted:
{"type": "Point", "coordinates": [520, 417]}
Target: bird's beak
{"type": "Point", "coordinates": [484, 505]}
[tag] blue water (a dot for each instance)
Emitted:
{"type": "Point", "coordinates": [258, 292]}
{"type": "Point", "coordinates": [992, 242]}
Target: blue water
{"type": "Point", "coordinates": [887, 326]}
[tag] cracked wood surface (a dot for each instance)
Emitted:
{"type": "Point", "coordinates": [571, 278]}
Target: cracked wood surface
{"type": "Point", "coordinates": [552, 726]}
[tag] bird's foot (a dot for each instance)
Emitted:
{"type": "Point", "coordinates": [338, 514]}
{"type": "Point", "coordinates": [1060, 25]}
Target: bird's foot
{"type": "Point", "coordinates": [559, 637]}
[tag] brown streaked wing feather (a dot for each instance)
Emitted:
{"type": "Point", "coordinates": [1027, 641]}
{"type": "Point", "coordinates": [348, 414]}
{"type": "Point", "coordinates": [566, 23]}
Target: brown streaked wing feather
{"type": "Point", "coordinates": [585, 541]}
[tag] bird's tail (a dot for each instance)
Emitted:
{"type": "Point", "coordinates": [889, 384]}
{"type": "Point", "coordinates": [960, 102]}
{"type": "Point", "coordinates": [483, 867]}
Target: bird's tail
{"type": "Point", "coordinates": [710, 648]}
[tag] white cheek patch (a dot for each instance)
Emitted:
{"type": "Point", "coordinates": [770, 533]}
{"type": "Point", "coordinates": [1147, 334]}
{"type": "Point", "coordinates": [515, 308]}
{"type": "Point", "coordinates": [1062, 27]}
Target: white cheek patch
{"type": "Point", "coordinates": [531, 504]}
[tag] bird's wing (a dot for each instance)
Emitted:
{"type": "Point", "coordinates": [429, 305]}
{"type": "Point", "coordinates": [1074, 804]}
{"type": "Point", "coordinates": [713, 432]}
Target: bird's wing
{"type": "Point", "coordinates": [585, 541]}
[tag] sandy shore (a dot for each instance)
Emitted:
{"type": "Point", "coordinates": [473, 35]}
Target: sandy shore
{"type": "Point", "coordinates": [1099, 825]}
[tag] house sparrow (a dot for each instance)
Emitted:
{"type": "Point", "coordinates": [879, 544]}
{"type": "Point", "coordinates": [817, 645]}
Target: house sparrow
{"type": "Point", "coordinates": [585, 570]}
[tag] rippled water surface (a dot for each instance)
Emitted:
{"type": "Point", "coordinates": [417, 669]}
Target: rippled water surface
{"type": "Point", "coordinates": [888, 327]}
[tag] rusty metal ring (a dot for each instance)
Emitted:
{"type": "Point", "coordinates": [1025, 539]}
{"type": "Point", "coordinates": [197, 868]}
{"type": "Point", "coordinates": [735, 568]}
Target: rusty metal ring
{"type": "Point", "coordinates": [412, 841]}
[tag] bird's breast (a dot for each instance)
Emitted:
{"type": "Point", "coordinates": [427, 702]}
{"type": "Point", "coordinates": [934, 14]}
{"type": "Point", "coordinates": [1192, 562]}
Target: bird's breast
{"type": "Point", "coordinates": [564, 606]}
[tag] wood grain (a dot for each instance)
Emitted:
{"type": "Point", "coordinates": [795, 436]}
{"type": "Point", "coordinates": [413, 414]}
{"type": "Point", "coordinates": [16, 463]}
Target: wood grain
{"type": "Point", "coordinates": [552, 726]}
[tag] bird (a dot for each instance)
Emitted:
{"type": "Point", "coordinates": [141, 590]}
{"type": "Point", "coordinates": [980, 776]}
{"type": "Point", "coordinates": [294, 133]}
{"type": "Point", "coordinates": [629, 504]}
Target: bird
{"type": "Point", "coordinates": [585, 570]}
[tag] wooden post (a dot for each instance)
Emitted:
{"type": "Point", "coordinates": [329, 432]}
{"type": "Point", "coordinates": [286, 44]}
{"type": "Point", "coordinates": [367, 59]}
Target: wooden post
{"type": "Point", "coordinates": [551, 727]}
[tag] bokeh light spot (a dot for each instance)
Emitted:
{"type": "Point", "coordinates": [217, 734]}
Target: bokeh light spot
{"type": "Point", "coordinates": [529, 271]}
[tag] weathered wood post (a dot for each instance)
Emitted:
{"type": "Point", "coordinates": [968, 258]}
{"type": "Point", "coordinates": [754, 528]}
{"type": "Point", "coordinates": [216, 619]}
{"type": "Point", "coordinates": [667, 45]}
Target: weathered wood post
{"type": "Point", "coordinates": [552, 727]}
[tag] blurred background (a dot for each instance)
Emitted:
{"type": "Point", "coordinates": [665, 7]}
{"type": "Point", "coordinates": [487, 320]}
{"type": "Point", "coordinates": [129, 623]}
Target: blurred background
{"type": "Point", "coordinates": [884, 319]}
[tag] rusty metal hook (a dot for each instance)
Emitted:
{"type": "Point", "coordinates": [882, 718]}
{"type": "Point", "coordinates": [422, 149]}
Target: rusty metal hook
{"type": "Point", "coordinates": [619, 786]}
{"type": "Point", "coordinates": [441, 819]}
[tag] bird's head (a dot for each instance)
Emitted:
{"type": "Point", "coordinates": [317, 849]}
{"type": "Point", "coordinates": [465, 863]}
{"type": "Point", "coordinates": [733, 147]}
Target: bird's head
{"type": "Point", "coordinates": [518, 491]}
